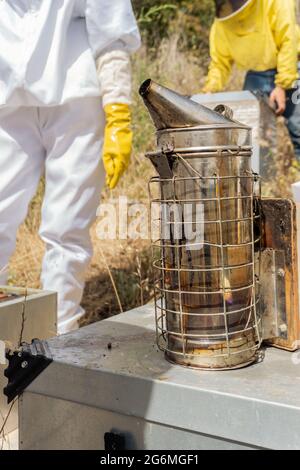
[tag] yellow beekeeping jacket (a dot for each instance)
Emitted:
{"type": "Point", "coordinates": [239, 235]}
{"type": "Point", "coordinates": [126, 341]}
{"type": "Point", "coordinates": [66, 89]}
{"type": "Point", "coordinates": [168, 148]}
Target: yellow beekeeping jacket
{"type": "Point", "coordinates": [262, 36]}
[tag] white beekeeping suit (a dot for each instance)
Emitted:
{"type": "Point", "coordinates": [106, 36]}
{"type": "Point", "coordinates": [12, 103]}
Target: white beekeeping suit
{"type": "Point", "coordinates": [61, 63]}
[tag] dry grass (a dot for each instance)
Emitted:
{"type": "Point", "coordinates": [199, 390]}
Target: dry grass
{"type": "Point", "coordinates": [129, 261]}
{"type": "Point", "coordinates": [284, 170]}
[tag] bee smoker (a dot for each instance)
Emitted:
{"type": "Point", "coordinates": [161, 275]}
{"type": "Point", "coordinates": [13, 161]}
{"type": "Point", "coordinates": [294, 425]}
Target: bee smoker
{"type": "Point", "coordinates": [214, 305]}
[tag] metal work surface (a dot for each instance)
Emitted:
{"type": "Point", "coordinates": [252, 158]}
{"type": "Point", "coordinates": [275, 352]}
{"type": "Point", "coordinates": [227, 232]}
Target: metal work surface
{"type": "Point", "coordinates": [115, 366]}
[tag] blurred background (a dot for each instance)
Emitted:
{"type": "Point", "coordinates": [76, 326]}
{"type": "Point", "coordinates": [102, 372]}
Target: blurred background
{"type": "Point", "coordinates": [175, 52]}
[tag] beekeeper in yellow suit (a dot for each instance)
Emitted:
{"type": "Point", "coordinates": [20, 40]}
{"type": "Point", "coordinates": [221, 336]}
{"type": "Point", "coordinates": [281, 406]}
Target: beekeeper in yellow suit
{"type": "Point", "coordinates": [261, 37]}
{"type": "Point", "coordinates": [64, 111]}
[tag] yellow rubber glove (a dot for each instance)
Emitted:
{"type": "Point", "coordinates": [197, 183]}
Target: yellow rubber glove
{"type": "Point", "coordinates": [117, 142]}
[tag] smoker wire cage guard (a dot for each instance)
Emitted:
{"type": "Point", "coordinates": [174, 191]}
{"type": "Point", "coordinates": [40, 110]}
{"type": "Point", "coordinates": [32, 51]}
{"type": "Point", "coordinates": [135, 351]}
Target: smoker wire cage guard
{"type": "Point", "coordinates": [207, 292]}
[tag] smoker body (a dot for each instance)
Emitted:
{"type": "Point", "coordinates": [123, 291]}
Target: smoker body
{"type": "Point", "coordinates": [207, 291]}
{"type": "Point", "coordinates": [130, 390]}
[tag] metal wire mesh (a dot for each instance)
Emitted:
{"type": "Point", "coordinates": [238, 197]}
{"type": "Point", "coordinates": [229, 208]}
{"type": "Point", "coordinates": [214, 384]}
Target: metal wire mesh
{"type": "Point", "coordinates": [206, 257]}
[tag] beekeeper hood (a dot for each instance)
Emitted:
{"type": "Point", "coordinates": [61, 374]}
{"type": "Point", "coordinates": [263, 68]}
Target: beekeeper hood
{"type": "Point", "coordinates": [226, 9]}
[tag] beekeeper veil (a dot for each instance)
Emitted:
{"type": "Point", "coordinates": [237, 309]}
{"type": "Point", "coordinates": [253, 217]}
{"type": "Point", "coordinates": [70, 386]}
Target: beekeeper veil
{"type": "Point", "coordinates": [228, 8]}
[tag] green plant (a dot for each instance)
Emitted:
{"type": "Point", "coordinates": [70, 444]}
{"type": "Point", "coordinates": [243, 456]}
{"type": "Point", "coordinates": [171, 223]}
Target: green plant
{"type": "Point", "coordinates": [158, 20]}
{"type": "Point", "coordinates": [154, 13]}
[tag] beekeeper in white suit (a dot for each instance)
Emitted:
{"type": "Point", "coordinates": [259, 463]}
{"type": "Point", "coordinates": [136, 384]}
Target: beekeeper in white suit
{"type": "Point", "coordinates": [64, 111]}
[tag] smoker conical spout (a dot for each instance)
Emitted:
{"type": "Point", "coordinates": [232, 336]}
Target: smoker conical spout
{"type": "Point", "coordinates": [169, 109]}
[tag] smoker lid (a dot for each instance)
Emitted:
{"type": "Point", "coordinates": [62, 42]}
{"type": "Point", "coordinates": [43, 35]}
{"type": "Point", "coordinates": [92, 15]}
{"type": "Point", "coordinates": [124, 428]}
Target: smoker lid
{"type": "Point", "coordinates": [169, 109]}
{"type": "Point", "coordinates": [205, 127]}
{"type": "Point", "coordinates": [206, 136]}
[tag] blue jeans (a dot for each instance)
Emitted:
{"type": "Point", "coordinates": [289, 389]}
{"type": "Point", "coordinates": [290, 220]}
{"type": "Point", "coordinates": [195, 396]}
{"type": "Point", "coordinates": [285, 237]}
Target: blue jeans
{"type": "Point", "coordinates": [264, 82]}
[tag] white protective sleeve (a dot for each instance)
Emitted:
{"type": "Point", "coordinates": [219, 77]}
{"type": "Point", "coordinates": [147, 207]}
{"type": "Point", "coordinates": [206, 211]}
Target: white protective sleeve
{"type": "Point", "coordinates": [109, 22]}
{"type": "Point", "coordinates": [114, 73]}
{"type": "Point", "coordinates": [113, 35]}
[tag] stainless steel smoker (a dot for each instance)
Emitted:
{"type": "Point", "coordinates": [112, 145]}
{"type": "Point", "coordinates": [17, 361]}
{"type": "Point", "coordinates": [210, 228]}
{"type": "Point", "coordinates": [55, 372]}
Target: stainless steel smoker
{"type": "Point", "coordinates": [213, 303]}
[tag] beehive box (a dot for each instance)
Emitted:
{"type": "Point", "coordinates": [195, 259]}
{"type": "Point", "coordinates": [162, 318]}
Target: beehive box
{"type": "Point", "coordinates": [254, 112]}
{"type": "Point", "coordinates": [24, 315]}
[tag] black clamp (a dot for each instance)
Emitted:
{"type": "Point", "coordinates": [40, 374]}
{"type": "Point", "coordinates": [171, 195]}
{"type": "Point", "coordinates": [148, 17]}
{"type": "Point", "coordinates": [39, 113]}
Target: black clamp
{"type": "Point", "coordinates": [24, 366]}
{"type": "Point", "coordinates": [114, 442]}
